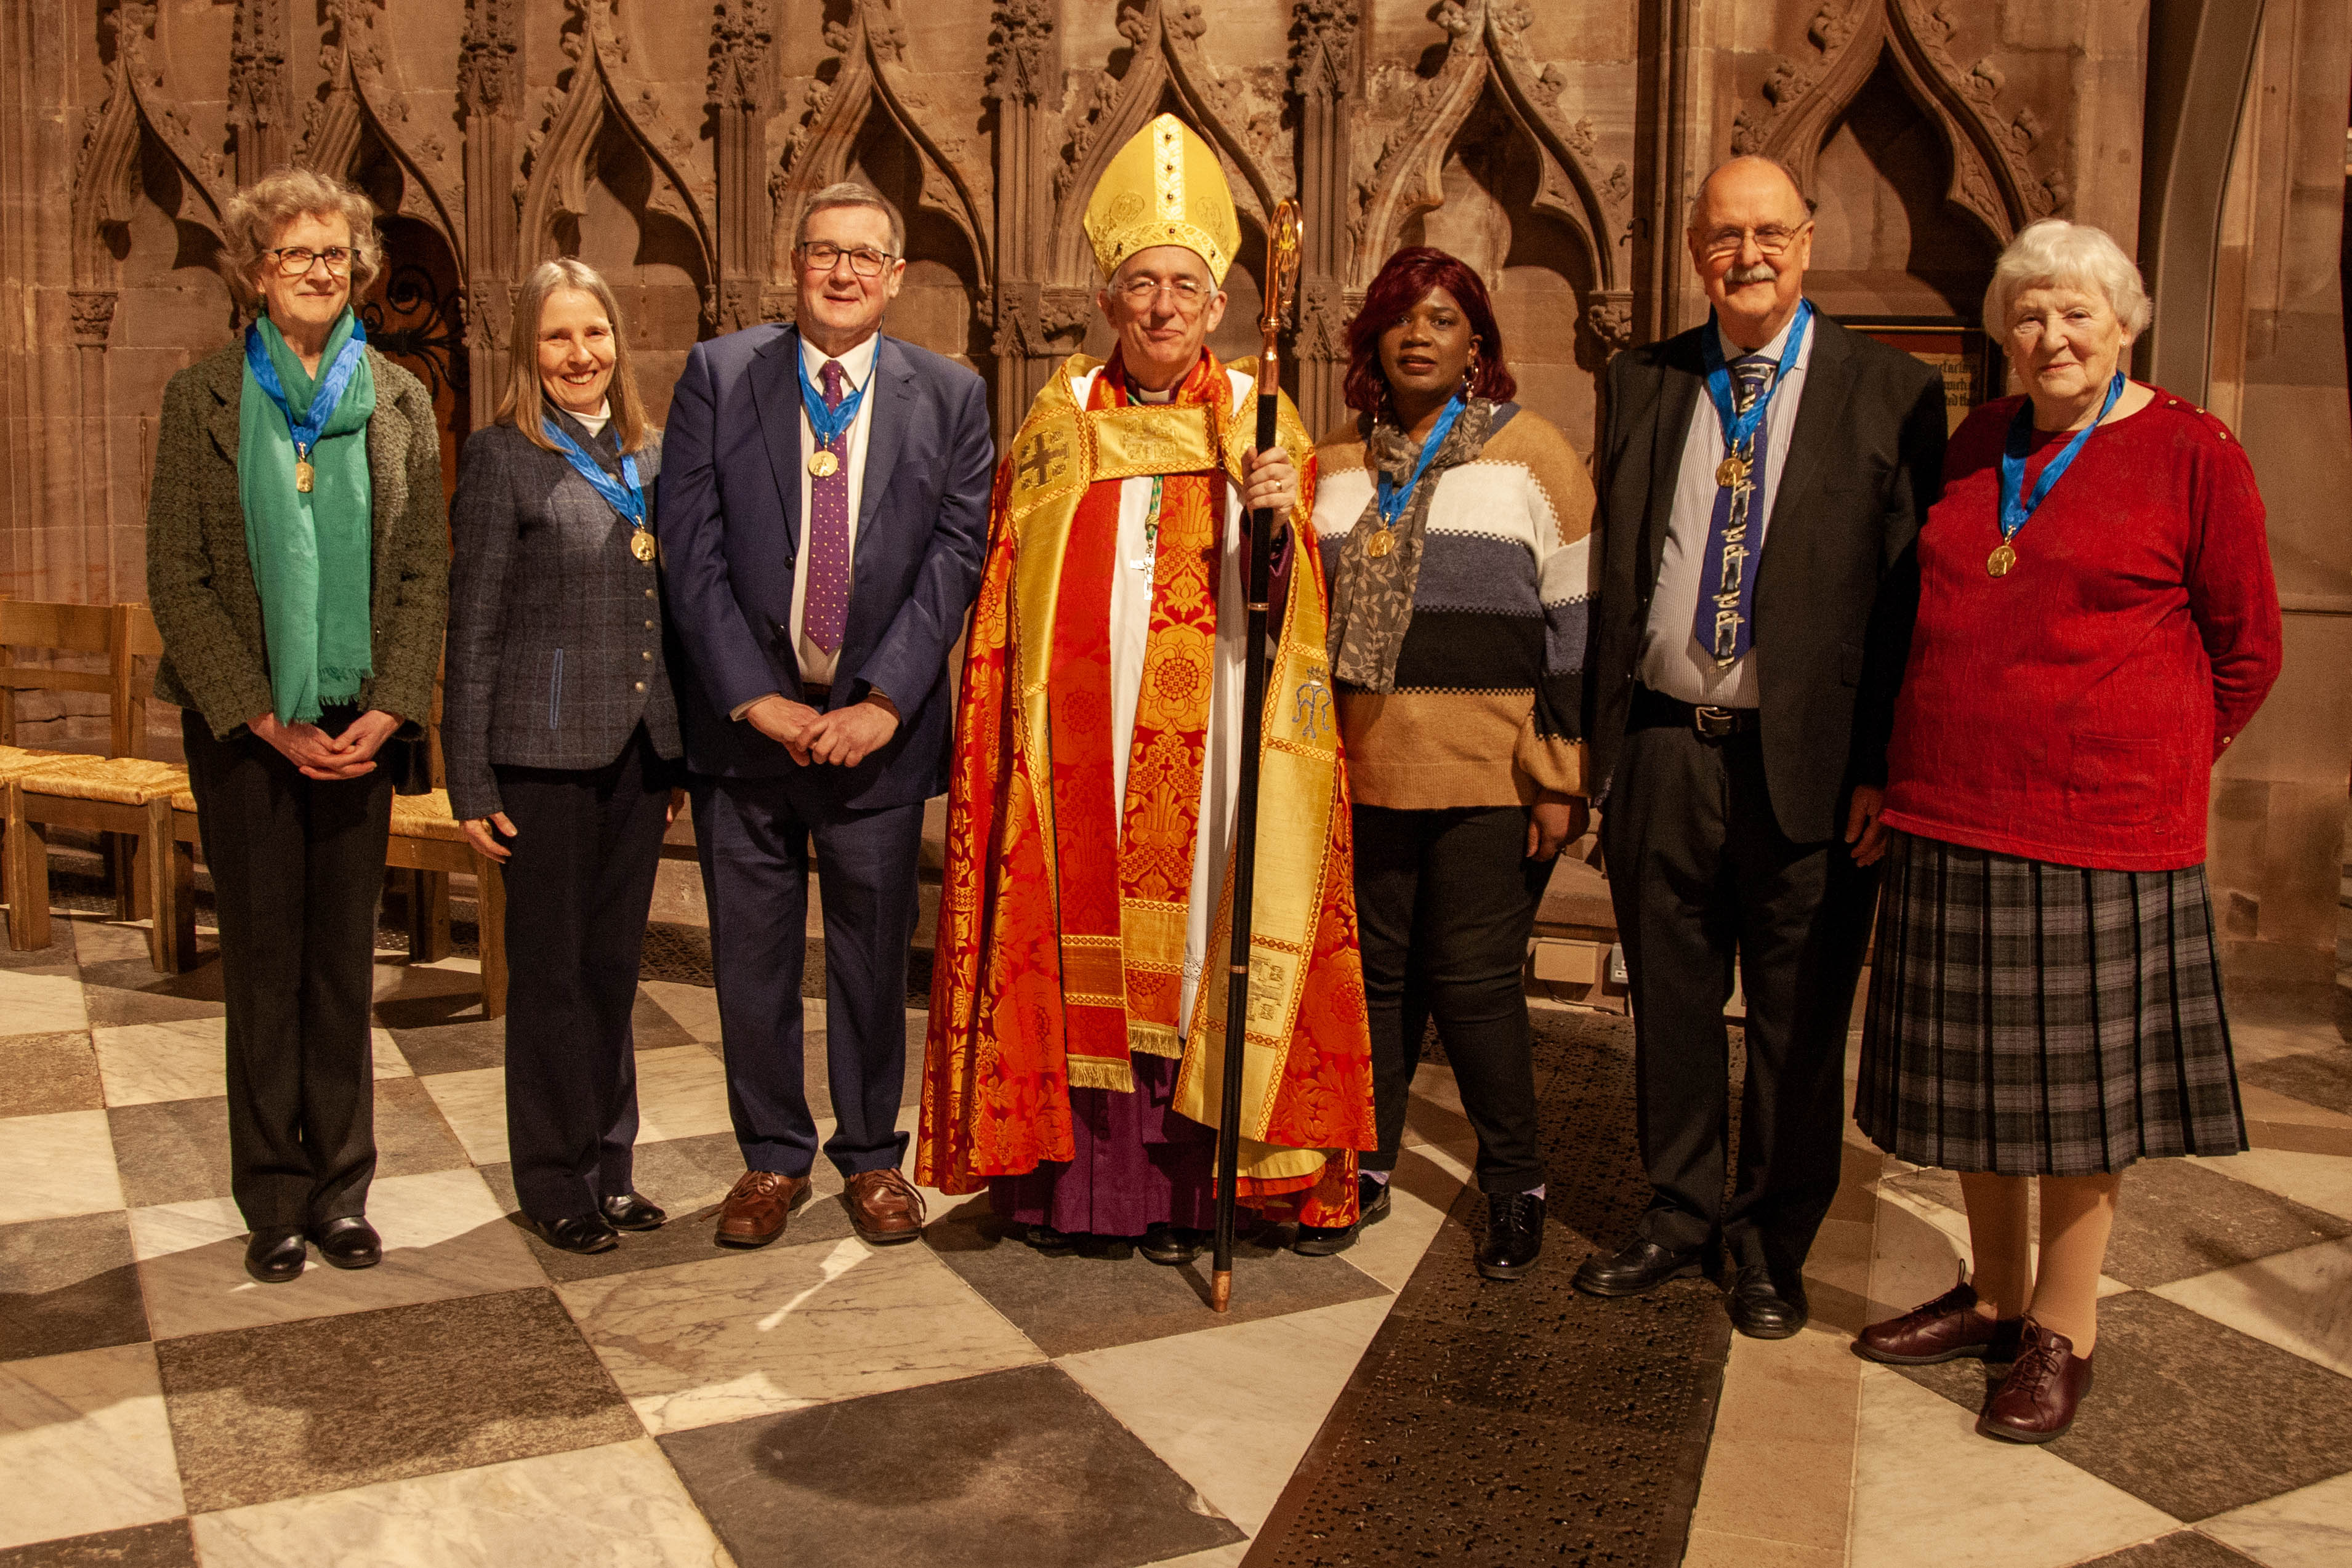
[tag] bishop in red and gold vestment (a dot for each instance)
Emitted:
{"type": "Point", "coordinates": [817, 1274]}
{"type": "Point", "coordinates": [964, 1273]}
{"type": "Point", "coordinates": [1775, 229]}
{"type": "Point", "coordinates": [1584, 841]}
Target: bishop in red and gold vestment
{"type": "Point", "coordinates": [1077, 1026]}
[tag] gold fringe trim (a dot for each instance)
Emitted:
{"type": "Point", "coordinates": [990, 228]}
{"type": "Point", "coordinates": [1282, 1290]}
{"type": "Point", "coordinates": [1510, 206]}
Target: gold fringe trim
{"type": "Point", "coordinates": [1154, 1038]}
{"type": "Point", "coordinates": [1102, 1072]}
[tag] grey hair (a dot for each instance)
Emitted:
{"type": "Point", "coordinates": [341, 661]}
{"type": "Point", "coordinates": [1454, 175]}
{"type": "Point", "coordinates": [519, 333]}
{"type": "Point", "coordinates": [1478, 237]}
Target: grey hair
{"type": "Point", "coordinates": [257, 215]}
{"type": "Point", "coordinates": [1698, 196]}
{"type": "Point", "coordinates": [850, 193]}
{"type": "Point", "coordinates": [2055, 253]}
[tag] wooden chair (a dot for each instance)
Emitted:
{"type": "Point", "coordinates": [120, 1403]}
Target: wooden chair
{"type": "Point", "coordinates": [426, 839]}
{"type": "Point", "coordinates": [123, 633]}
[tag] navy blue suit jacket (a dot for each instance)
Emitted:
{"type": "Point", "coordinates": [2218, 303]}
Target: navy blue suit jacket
{"type": "Point", "coordinates": [730, 529]}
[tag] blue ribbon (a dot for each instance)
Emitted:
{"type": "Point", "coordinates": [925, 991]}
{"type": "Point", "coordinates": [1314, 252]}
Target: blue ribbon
{"type": "Point", "coordinates": [1394, 496]}
{"type": "Point", "coordinates": [325, 395]}
{"type": "Point", "coordinates": [826, 423]}
{"type": "Point", "coordinates": [627, 498]}
{"type": "Point", "coordinates": [2016, 507]}
{"type": "Point", "coordinates": [1740, 429]}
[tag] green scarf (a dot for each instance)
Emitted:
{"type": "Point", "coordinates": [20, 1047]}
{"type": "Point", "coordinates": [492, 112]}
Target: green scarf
{"type": "Point", "coordinates": [311, 552]}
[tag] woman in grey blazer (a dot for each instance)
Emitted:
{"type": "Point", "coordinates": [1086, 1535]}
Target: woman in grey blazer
{"type": "Point", "coordinates": [561, 739]}
{"type": "Point", "coordinates": [298, 565]}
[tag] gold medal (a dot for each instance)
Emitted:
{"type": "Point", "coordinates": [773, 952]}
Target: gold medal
{"type": "Point", "coordinates": [1380, 544]}
{"type": "Point", "coordinates": [303, 475]}
{"type": "Point", "coordinates": [2002, 558]}
{"type": "Point", "coordinates": [641, 544]}
{"type": "Point", "coordinates": [824, 464]}
{"type": "Point", "coordinates": [1731, 472]}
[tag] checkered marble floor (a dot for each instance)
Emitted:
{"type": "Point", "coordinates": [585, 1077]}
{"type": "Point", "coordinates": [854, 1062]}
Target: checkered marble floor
{"type": "Point", "coordinates": [481, 1398]}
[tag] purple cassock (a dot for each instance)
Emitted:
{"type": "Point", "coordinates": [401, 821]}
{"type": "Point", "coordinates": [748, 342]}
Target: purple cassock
{"type": "Point", "coordinates": [1139, 1164]}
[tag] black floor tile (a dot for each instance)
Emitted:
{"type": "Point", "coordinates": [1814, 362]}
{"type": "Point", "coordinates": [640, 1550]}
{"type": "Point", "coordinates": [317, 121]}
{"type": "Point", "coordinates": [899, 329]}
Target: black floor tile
{"type": "Point", "coordinates": [2186, 1414]}
{"type": "Point", "coordinates": [171, 1151]}
{"type": "Point", "coordinates": [1012, 1469]}
{"type": "Point", "coordinates": [461, 1044]}
{"type": "Point", "coordinates": [125, 991]}
{"type": "Point", "coordinates": [1076, 1302]}
{"type": "Point", "coordinates": [40, 1073]}
{"type": "Point", "coordinates": [412, 1137]}
{"type": "Point", "coordinates": [68, 1284]}
{"type": "Point", "coordinates": [2320, 1078]}
{"type": "Point", "coordinates": [2181, 1548]}
{"type": "Point", "coordinates": [336, 1402]}
{"type": "Point", "coordinates": [167, 1544]}
{"type": "Point", "coordinates": [2174, 1219]}
{"type": "Point", "coordinates": [57, 956]}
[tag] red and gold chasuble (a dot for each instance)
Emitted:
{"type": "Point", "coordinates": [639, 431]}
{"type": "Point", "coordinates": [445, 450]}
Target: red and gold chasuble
{"type": "Point", "coordinates": [1063, 912]}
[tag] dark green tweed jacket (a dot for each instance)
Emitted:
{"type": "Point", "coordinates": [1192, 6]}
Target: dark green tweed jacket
{"type": "Point", "coordinates": [200, 578]}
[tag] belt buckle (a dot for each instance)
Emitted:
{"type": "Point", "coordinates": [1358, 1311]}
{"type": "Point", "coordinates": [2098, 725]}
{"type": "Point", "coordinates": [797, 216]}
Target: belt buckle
{"type": "Point", "coordinates": [1714, 723]}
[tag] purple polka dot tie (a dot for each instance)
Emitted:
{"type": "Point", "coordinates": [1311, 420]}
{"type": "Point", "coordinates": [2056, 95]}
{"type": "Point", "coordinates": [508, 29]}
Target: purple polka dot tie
{"type": "Point", "coordinates": [826, 610]}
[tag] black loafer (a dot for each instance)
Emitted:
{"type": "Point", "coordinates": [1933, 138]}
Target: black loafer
{"type": "Point", "coordinates": [1173, 1244]}
{"type": "Point", "coordinates": [1514, 1234]}
{"type": "Point", "coordinates": [274, 1255]}
{"type": "Point", "coordinates": [577, 1233]}
{"type": "Point", "coordinates": [1046, 1238]}
{"type": "Point", "coordinates": [349, 1243]}
{"type": "Point", "coordinates": [1638, 1267]}
{"type": "Point", "coordinates": [1759, 1308]}
{"type": "Point", "coordinates": [632, 1211]}
{"type": "Point", "coordinates": [1322, 1240]}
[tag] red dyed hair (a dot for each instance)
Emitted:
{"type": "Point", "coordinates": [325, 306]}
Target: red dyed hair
{"type": "Point", "coordinates": [1403, 283]}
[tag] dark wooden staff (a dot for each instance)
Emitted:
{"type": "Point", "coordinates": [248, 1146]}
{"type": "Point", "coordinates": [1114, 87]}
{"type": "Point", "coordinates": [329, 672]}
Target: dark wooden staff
{"type": "Point", "coordinates": [1282, 242]}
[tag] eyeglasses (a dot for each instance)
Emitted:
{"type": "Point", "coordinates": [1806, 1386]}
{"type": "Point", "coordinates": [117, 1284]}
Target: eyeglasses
{"type": "Point", "coordinates": [1141, 292]}
{"type": "Point", "coordinates": [1771, 239]}
{"type": "Point", "coordinates": [822, 255]}
{"type": "Point", "coordinates": [296, 261]}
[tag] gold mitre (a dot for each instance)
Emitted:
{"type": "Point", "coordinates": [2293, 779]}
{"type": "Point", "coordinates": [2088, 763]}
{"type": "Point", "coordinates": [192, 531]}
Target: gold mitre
{"type": "Point", "coordinates": [1164, 187]}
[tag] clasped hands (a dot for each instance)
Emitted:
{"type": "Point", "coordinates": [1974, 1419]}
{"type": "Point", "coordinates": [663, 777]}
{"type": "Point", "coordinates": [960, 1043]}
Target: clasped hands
{"type": "Point", "coordinates": [323, 757]}
{"type": "Point", "coordinates": [844, 737]}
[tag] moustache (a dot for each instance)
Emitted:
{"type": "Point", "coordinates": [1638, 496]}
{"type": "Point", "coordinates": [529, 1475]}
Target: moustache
{"type": "Point", "coordinates": [1762, 272]}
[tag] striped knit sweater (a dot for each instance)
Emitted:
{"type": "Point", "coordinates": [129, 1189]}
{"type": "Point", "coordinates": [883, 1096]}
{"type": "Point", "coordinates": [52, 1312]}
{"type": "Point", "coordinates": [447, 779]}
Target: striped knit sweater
{"type": "Point", "coordinates": [1486, 707]}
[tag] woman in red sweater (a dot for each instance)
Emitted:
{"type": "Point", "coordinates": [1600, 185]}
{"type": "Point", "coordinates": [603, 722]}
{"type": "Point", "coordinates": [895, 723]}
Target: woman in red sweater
{"type": "Point", "coordinates": [2097, 621]}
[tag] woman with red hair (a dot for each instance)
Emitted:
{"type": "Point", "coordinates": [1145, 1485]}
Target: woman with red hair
{"type": "Point", "coordinates": [1456, 531]}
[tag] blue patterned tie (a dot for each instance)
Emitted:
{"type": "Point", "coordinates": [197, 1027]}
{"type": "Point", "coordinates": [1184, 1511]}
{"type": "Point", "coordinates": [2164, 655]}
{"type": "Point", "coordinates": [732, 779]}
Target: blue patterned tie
{"type": "Point", "coordinates": [825, 613]}
{"type": "Point", "coordinates": [1727, 594]}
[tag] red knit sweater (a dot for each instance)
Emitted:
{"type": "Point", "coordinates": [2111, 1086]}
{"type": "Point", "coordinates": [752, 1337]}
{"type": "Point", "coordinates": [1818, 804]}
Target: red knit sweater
{"type": "Point", "coordinates": [2072, 710]}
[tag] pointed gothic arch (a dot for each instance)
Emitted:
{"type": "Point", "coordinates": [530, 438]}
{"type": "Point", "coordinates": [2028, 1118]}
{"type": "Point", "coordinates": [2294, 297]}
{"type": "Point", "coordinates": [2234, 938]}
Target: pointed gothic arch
{"type": "Point", "coordinates": [125, 130]}
{"type": "Point", "coordinates": [350, 127]}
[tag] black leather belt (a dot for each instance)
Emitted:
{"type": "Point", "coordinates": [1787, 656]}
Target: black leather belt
{"type": "Point", "coordinates": [817, 696]}
{"type": "Point", "coordinates": [1656, 710]}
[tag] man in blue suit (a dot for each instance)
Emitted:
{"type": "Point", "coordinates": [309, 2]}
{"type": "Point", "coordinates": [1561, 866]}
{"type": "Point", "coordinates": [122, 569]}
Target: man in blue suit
{"type": "Point", "coordinates": [824, 511]}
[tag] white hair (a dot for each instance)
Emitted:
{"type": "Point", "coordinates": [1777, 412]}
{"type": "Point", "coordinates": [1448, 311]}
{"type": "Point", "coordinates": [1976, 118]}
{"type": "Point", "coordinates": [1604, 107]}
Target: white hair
{"type": "Point", "coordinates": [2055, 254]}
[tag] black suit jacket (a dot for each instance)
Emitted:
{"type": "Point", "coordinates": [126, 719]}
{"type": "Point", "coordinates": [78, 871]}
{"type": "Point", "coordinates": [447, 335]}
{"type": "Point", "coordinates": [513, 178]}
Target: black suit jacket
{"type": "Point", "coordinates": [1837, 588]}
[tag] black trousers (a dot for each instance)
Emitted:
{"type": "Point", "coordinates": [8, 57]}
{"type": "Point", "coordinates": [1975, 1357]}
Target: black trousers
{"type": "Point", "coordinates": [1445, 904]}
{"type": "Point", "coordinates": [297, 868]}
{"type": "Point", "coordinates": [755, 876]}
{"type": "Point", "coordinates": [1699, 871]}
{"type": "Point", "coordinates": [579, 883]}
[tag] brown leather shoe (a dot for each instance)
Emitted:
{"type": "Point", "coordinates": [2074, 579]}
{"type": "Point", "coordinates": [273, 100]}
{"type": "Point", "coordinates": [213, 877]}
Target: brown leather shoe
{"type": "Point", "coordinates": [1944, 1329]}
{"type": "Point", "coordinates": [757, 1207]}
{"type": "Point", "coordinates": [2036, 1403]}
{"type": "Point", "coordinates": [884, 1208]}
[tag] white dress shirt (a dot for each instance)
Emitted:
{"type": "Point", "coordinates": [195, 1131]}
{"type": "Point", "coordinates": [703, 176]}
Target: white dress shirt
{"type": "Point", "coordinates": [817, 666]}
{"type": "Point", "coordinates": [1673, 661]}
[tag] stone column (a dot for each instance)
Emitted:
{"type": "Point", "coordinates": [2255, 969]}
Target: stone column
{"type": "Point", "coordinates": [1325, 73]}
{"type": "Point", "coordinates": [489, 90]}
{"type": "Point", "coordinates": [1025, 83]}
{"type": "Point", "coordinates": [260, 100]}
{"type": "Point", "coordinates": [742, 95]}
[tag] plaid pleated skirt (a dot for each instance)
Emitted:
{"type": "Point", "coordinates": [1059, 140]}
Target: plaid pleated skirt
{"type": "Point", "coordinates": [2028, 1019]}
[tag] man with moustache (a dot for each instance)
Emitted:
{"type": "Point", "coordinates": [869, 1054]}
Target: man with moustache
{"type": "Point", "coordinates": [1760, 481]}
{"type": "Point", "coordinates": [823, 510]}
{"type": "Point", "coordinates": [1078, 997]}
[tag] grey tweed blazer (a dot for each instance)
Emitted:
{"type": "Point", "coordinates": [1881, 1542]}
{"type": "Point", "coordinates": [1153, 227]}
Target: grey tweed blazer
{"type": "Point", "coordinates": [555, 628]}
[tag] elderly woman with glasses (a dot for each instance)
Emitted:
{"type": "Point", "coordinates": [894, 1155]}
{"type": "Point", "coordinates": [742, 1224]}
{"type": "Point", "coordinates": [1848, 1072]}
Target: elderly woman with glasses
{"type": "Point", "coordinates": [2097, 624]}
{"type": "Point", "coordinates": [297, 561]}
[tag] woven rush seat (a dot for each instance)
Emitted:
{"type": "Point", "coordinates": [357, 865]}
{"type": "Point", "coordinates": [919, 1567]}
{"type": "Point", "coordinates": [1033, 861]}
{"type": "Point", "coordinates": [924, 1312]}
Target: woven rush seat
{"type": "Point", "coordinates": [426, 816]}
{"type": "Point", "coordinates": [15, 761]}
{"type": "Point", "coordinates": [117, 781]}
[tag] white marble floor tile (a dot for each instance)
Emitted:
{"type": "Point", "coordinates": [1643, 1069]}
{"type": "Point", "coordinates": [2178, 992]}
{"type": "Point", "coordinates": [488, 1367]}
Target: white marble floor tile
{"type": "Point", "coordinates": [35, 1001]}
{"type": "Point", "coordinates": [184, 1059]}
{"type": "Point", "coordinates": [57, 1165]}
{"type": "Point", "coordinates": [388, 1061]}
{"type": "Point", "coordinates": [1923, 1480]}
{"type": "Point", "coordinates": [695, 1009]}
{"type": "Point", "coordinates": [444, 1236]}
{"type": "Point", "coordinates": [2268, 1105]}
{"type": "Point", "coordinates": [1233, 1409]}
{"type": "Point", "coordinates": [2262, 1042]}
{"type": "Point", "coordinates": [2299, 1301]}
{"type": "Point", "coordinates": [84, 1444]}
{"type": "Point", "coordinates": [1214, 1557]}
{"type": "Point", "coordinates": [2323, 1182]}
{"type": "Point", "coordinates": [1420, 1192]}
{"type": "Point", "coordinates": [474, 1104]}
{"type": "Point", "coordinates": [788, 1327]}
{"type": "Point", "coordinates": [681, 1093]}
{"type": "Point", "coordinates": [2309, 1528]}
{"type": "Point", "coordinates": [619, 1506]}
{"type": "Point", "coordinates": [98, 940]}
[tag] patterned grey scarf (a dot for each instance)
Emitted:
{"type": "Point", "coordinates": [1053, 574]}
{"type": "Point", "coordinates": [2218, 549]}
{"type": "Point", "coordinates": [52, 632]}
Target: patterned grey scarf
{"type": "Point", "coordinates": [1372, 595]}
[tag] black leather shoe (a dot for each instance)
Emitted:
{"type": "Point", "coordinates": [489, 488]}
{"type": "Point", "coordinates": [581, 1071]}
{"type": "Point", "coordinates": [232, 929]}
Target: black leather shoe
{"type": "Point", "coordinates": [1046, 1238]}
{"type": "Point", "coordinates": [578, 1233]}
{"type": "Point", "coordinates": [1323, 1240]}
{"type": "Point", "coordinates": [349, 1243]}
{"type": "Point", "coordinates": [1639, 1267]}
{"type": "Point", "coordinates": [274, 1255]}
{"type": "Point", "coordinates": [632, 1211]}
{"type": "Point", "coordinates": [1759, 1310]}
{"type": "Point", "coordinates": [1514, 1234]}
{"type": "Point", "coordinates": [1173, 1244]}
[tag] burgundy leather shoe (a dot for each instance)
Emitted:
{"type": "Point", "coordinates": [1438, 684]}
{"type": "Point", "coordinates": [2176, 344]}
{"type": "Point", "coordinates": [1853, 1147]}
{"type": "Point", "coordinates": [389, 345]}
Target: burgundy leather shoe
{"type": "Point", "coordinates": [757, 1207]}
{"type": "Point", "coordinates": [883, 1207]}
{"type": "Point", "coordinates": [1944, 1329]}
{"type": "Point", "coordinates": [2036, 1403]}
